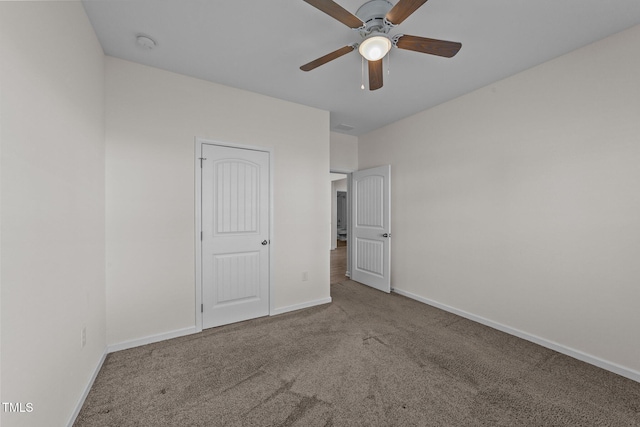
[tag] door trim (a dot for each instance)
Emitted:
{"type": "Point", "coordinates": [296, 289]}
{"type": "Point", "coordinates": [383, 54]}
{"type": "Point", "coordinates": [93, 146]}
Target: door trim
{"type": "Point", "coordinates": [199, 142]}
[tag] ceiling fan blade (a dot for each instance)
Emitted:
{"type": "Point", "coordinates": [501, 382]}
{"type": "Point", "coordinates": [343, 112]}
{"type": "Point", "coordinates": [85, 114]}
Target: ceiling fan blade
{"type": "Point", "coordinates": [430, 46]}
{"type": "Point", "coordinates": [328, 57]}
{"type": "Point", "coordinates": [336, 11]}
{"type": "Point", "coordinates": [402, 10]}
{"type": "Point", "coordinates": [375, 74]}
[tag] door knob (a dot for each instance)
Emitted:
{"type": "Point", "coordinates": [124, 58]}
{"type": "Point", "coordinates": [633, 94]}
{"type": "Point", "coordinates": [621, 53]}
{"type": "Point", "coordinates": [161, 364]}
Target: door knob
{"type": "Point", "coordinates": [264, 242]}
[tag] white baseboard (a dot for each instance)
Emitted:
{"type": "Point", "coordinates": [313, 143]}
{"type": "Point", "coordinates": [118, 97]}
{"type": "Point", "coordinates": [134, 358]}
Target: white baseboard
{"type": "Point", "coordinates": [151, 339]}
{"type": "Point", "coordinates": [85, 393]}
{"type": "Point", "coordinates": [576, 354]}
{"type": "Point", "coordinates": [300, 306]}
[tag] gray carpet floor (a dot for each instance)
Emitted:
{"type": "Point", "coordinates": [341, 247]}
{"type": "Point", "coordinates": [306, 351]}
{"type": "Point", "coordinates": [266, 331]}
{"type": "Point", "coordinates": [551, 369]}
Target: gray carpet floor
{"type": "Point", "coordinates": [366, 359]}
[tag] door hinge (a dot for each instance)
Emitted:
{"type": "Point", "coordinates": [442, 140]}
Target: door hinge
{"type": "Point", "coordinates": [201, 159]}
{"type": "Point", "coordinates": [201, 308]}
{"type": "Point", "coordinates": [201, 235]}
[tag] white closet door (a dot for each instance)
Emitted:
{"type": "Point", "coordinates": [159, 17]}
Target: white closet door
{"type": "Point", "coordinates": [235, 234]}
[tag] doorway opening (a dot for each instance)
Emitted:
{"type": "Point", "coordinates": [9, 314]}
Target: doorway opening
{"type": "Point", "coordinates": [368, 228]}
{"type": "Point", "coordinates": [339, 258]}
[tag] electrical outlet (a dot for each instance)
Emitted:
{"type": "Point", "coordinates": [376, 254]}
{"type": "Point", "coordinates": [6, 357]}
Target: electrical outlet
{"type": "Point", "coordinates": [305, 276]}
{"type": "Point", "coordinates": [83, 337]}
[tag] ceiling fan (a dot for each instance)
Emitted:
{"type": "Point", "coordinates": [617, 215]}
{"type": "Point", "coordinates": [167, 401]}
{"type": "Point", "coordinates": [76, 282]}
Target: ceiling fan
{"type": "Point", "coordinates": [373, 20]}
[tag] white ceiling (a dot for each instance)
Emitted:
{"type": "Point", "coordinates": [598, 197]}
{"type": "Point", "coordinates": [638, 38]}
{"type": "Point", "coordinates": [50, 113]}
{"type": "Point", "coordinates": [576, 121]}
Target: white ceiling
{"type": "Point", "coordinates": [259, 45]}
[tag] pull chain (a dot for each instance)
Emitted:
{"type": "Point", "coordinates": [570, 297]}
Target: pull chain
{"type": "Point", "coordinates": [362, 74]}
{"type": "Point", "coordinates": [389, 63]}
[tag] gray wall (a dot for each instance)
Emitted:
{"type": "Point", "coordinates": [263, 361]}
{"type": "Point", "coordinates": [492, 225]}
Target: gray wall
{"type": "Point", "coordinates": [519, 203]}
{"type": "Point", "coordinates": [53, 213]}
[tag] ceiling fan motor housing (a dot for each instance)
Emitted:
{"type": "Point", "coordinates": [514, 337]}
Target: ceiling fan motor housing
{"type": "Point", "coordinates": [373, 13]}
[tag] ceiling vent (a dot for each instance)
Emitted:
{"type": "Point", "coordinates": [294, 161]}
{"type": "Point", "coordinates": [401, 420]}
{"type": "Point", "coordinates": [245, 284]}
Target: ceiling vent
{"type": "Point", "coordinates": [343, 127]}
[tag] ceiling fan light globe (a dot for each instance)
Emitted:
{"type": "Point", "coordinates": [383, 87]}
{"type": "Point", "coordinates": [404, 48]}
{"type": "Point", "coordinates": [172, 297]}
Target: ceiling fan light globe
{"type": "Point", "coordinates": [374, 48]}
{"type": "Point", "coordinates": [375, 53]}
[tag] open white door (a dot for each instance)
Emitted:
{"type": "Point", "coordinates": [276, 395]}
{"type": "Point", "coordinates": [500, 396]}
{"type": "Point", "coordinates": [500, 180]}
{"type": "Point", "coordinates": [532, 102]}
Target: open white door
{"type": "Point", "coordinates": [371, 246]}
